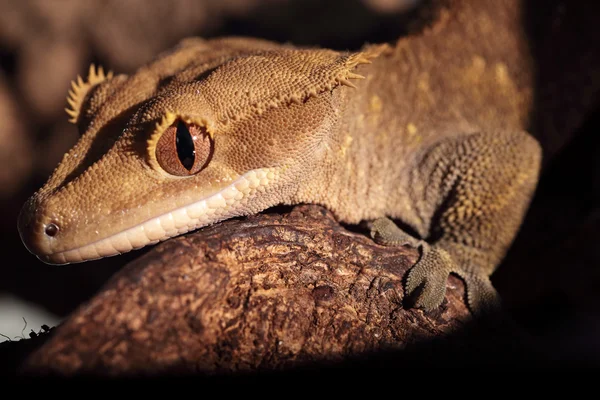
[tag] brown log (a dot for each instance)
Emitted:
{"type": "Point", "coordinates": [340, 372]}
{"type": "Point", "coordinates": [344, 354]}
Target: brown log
{"type": "Point", "coordinates": [265, 292]}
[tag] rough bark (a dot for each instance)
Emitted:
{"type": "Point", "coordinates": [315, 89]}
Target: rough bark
{"type": "Point", "coordinates": [262, 293]}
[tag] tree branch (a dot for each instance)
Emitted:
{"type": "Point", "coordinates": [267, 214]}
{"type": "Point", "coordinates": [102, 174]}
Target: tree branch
{"type": "Point", "coordinates": [266, 292]}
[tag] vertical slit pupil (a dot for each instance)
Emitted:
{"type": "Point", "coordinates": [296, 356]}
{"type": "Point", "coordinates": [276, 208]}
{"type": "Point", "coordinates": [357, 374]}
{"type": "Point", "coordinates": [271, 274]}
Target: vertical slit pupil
{"type": "Point", "coordinates": [185, 146]}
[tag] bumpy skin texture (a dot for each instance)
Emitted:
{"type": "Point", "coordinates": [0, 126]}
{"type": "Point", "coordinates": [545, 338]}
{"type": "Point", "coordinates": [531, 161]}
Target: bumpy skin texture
{"type": "Point", "coordinates": [413, 141]}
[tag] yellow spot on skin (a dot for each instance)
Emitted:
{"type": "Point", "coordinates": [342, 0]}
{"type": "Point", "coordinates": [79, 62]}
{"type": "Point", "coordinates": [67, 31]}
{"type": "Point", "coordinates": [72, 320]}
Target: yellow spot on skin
{"type": "Point", "coordinates": [502, 74]}
{"type": "Point", "coordinates": [376, 104]}
{"type": "Point", "coordinates": [346, 145]}
{"type": "Point", "coordinates": [423, 82]}
{"type": "Point", "coordinates": [424, 96]}
{"type": "Point", "coordinates": [347, 140]}
{"type": "Point", "coordinates": [475, 72]}
{"type": "Point", "coordinates": [411, 128]}
{"type": "Point", "coordinates": [478, 63]}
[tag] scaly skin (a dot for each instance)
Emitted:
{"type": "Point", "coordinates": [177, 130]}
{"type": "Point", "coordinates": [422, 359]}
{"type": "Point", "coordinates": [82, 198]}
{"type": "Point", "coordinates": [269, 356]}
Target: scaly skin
{"type": "Point", "coordinates": [434, 136]}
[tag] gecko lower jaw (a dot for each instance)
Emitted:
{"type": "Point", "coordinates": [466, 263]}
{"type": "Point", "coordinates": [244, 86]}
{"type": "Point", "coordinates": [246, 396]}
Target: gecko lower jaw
{"type": "Point", "coordinates": [229, 202]}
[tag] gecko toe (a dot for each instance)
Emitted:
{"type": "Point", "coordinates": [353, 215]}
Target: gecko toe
{"type": "Point", "coordinates": [482, 298]}
{"type": "Point", "coordinates": [426, 281]}
{"type": "Point", "coordinates": [385, 232]}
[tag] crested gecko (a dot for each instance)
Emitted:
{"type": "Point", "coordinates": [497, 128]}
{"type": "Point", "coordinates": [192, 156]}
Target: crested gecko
{"type": "Point", "coordinates": [430, 132]}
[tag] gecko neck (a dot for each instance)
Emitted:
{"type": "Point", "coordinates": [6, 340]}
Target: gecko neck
{"type": "Point", "coordinates": [360, 172]}
{"type": "Point", "coordinates": [431, 85]}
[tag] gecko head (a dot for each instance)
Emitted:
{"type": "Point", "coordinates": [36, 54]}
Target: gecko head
{"type": "Point", "coordinates": [184, 144]}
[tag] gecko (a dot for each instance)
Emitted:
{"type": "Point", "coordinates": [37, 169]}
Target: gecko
{"type": "Point", "coordinates": [426, 138]}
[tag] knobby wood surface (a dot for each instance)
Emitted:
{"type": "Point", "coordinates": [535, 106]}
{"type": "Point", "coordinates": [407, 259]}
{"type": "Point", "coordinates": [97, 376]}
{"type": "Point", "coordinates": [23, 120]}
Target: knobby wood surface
{"type": "Point", "coordinates": [265, 292]}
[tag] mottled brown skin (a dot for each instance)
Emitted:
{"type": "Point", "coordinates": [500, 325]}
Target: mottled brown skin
{"type": "Point", "coordinates": [414, 141]}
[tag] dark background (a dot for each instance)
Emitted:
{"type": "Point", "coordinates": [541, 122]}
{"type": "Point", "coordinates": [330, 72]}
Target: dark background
{"type": "Point", "coordinates": [550, 280]}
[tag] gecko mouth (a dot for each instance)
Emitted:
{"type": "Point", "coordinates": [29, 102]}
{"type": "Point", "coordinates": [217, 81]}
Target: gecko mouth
{"type": "Point", "coordinates": [229, 202]}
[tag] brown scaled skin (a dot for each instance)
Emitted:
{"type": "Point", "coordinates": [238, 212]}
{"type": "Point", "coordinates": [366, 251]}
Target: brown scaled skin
{"type": "Point", "coordinates": [414, 141]}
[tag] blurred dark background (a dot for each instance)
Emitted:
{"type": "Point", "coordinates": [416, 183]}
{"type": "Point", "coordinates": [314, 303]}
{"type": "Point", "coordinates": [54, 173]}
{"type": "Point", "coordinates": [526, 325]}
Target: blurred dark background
{"type": "Point", "coordinates": [550, 280]}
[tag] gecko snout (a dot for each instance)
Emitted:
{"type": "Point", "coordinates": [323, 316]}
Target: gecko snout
{"type": "Point", "coordinates": [37, 234]}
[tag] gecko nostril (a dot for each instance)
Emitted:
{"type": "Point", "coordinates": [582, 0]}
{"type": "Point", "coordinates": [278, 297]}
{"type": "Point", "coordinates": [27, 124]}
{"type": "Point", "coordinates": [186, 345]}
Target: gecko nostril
{"type": "Point", "coordinates": [51, 229]}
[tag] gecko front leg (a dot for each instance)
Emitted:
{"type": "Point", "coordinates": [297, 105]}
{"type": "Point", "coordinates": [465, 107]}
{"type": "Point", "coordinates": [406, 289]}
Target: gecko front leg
{"type": "Point", "coordinates": [477, 191]}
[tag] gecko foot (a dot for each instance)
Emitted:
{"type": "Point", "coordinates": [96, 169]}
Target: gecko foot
{"type": "Point", "coordinates": [426, 280]}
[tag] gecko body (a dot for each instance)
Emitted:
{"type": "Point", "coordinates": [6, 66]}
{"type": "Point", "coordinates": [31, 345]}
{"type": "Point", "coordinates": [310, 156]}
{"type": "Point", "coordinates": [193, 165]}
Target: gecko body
{"type": "Point", "coordinates": [430, 131]}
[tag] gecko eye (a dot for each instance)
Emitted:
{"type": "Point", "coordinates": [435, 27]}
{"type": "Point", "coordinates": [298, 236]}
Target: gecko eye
{"type": "Point", "coordinates": [184, 149]}
{"type": "Point", "coordinates": [51, 229]}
